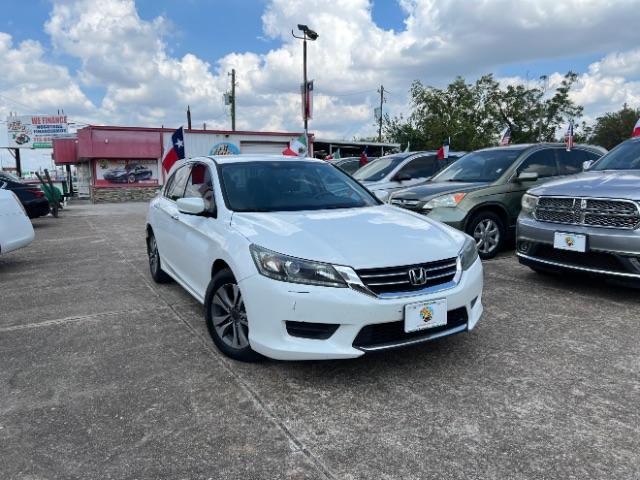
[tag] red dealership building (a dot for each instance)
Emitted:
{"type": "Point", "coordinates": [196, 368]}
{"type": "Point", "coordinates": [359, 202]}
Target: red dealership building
{"type": "Point", "coordinates": [125, 163]}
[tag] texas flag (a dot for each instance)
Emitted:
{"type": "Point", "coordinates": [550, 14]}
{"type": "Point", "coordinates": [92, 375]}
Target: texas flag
{"type": "Point", "coordinates": [176, 152]}
{"type": "Point", "coordinates": [636, 129]}
{"type": "Point", "coordinates": [443, 151]}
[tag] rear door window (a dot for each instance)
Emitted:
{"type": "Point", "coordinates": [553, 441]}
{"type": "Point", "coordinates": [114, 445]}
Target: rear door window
{"type": "Point", "coordinates": [421, 167]}
{"type": "Point", "coordinates": [570, 162]}
{"type": "Point", "coordinates": [542, 162]}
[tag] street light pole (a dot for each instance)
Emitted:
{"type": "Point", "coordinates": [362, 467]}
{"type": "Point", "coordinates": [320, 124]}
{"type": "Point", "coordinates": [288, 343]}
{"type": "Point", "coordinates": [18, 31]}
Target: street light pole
{"type": "Point", "coordinates": [307, 34]}
{"type": "Point", "coordinates": [305, 108]}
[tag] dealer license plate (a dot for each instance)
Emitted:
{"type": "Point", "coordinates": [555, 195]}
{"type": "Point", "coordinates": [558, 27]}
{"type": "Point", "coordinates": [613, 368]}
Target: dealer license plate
{"type": "Point", "coordinates": [424, 315]}
{"type": "Point", "coordinates": [570, 241]}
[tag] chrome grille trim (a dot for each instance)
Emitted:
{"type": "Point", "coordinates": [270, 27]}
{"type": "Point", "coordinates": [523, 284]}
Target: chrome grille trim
{"type": "Point", "coordinates": [589, 212]}
{"type": "Point", "coordinates": [394, 281]}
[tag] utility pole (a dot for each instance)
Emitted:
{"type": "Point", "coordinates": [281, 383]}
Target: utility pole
{"type": "Point", "coordinates": [188, 117]}
{"type": "Point", "coordinates": [233, 99]}
{"type": "Point", "coordinates": [381, 91]}
{"type": "Point", "coordinates": [18, 163]}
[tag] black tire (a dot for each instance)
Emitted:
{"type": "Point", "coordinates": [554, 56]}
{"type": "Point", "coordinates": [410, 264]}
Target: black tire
{"type": "Point", "coordinates": [489, 244]}
{"type": "Point", "coordinates": [234, 326]}
{"type": "Point", "coordinates": [131, 178]}
{"type": "Point", "coordinates": [158, 275]}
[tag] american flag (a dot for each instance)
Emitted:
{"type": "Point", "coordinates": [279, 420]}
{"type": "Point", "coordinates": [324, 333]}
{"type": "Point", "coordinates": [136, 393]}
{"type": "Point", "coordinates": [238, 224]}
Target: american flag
{"type": "Point", "coordinates": [505, 137]}
{"type": "Point", "coordinates": [568, 138]}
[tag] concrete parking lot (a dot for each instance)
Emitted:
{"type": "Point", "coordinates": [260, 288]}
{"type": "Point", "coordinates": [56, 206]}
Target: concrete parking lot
{"type": "Point", "coordinates": [106, 375]}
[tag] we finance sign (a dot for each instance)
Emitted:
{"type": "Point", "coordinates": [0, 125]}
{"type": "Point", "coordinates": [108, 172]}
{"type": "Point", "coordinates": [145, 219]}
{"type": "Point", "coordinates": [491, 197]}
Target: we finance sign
{"type": "Point", "coordinates": [35, 131]}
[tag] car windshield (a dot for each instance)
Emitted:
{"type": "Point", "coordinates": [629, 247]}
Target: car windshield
{"type": "Point", "coordinates": [483, 166]}
{"type": "Point", "coordinates": [267, 186]}
{"type": "Point", "coordinates": [625, 156]}
{"type": "Point", "coordinates": [377, 170]}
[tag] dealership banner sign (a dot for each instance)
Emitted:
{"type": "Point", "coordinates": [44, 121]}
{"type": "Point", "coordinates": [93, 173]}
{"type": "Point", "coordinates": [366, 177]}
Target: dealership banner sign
{"type": "Point", "coordinates": [131, 173]}
{"type": "Point", "coordinates": [35, 131]}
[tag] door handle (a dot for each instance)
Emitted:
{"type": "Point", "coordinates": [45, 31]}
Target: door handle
{"type": "Point", "coordinates": [175, 217]}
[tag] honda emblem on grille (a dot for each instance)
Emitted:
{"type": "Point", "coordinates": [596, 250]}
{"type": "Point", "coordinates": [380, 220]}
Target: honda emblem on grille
{"type": "Point", "coordinates": [583, 204]}
{"type": "Point", "coordinates": [418, 276]}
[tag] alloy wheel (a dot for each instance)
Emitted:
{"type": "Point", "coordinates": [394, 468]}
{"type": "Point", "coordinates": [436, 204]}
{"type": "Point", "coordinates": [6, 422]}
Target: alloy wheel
{"type": "Point", "coordinates": [230, 317]}
{"type": "Point", "coordinates": [153, 254]}
{"type": "Point", "coordinates": [487, 236]}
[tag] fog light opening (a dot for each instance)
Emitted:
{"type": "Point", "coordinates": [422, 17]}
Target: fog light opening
{"type": "Point", "coordinates": [524, 246]}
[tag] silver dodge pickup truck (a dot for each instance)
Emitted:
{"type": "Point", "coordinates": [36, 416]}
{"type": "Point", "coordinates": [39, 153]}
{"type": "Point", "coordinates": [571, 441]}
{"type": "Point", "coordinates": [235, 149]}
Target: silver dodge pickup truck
{"type": "Point", "coordinates": [589, 222]}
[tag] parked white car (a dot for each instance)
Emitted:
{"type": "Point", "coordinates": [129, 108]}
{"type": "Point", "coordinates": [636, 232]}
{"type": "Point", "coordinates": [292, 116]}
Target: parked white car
{"type": "Point", "coordinates": [16, 230]}
{"type": "Point", "coordinates": [293, 260]}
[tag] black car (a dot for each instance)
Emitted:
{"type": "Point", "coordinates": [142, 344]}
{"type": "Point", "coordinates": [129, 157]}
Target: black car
{"type": "Point", "coordinates": [129, 174]}
{"type": "Point", "coordinates": [33, 199]}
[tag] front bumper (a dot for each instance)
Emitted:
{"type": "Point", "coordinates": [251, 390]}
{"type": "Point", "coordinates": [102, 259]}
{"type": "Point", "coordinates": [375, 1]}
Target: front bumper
{"type": "Point", "coordinates": [270, 304]}
{"type": "Point", "coordinates": [610, 251]}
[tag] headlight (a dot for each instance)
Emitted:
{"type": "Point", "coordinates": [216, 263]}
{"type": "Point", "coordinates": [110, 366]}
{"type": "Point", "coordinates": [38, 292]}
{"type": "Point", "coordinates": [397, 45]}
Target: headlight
{"type": "Point", "coordinates": [449, 200]}
{"type": "Point", "coordinates": [529, 203]}
{"type": "Point", "coordinates": [469, 253]}
{"type": "Point", "coordinates": [295, 270]}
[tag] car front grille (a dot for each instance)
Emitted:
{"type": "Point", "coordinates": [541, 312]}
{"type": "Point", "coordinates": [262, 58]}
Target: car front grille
{"type": "Point", "coordinates": [390, 333]}
{"type": "Point", "coordinates": [591, 212]}
{"type": "Point", "coordinates": [396, 279]}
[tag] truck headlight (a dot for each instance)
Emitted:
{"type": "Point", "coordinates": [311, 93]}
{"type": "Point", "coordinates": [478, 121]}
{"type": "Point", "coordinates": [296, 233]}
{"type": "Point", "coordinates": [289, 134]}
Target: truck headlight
{"type": "Point", "coordinates": [529, 203]}
{"type": "Point", "coordinates": [450, 200]}
{"type": "Point", "coordinates": [295, 270]}
{"type": "Point", "coordinates": [469, 253]}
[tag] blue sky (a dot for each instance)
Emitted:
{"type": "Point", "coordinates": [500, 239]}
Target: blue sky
{"type": "Point", "coordinates": [140, 62]}
{"type": "Point", "coordinates": [211, 29]}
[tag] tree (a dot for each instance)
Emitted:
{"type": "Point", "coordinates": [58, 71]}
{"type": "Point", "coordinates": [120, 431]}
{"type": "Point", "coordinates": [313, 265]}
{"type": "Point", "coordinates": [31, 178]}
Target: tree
{"type": "Point", "coordinates": [473, 114]}
{"type": "Point", "coordinates": [613, 128]}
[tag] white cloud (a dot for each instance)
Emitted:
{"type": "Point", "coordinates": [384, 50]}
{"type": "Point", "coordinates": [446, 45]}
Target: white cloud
{"type": "Point", "coordinates": [29, 81]}
{"type": "Point", "coordinates": [145, 84]}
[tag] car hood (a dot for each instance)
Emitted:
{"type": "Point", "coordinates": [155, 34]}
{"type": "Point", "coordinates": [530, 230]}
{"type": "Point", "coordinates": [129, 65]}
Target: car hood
{"type": "Point", "coordinates": [116, 171]}
{"type": "Point", "coordinates": [607, 184]}
{"type": "Point", "coordinates": [373, 237]}
{"type": "Point", "coordinates": [434, 189]}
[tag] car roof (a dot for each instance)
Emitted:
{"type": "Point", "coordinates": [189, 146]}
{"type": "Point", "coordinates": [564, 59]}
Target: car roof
{"type": "Point", "coordinates": [230, 159]}
{"type": "Point", "coordinates": [526, 146]}
{"type": "Point", "coordinates": [243, 158]}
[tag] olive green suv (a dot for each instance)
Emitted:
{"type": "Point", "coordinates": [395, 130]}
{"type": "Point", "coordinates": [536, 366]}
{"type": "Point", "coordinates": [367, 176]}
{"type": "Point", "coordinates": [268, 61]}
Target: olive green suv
{"type": "Point", "coordinates": [481, 192]}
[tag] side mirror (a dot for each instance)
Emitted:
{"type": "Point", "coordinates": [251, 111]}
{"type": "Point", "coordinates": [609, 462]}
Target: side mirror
{"type": "Point", "coordinates": [528, 177]}
{"type": "Point", "coordinates": [587, 165]}
{"type": "Point", "coordinates": [191, 205]}
{"type": "Point", "coordinates": [402, 177]}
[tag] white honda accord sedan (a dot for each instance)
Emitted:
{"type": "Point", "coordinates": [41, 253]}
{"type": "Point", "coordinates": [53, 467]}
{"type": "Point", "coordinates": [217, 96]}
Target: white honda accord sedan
{"type": "Point", "coordinates": [293, 260]}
